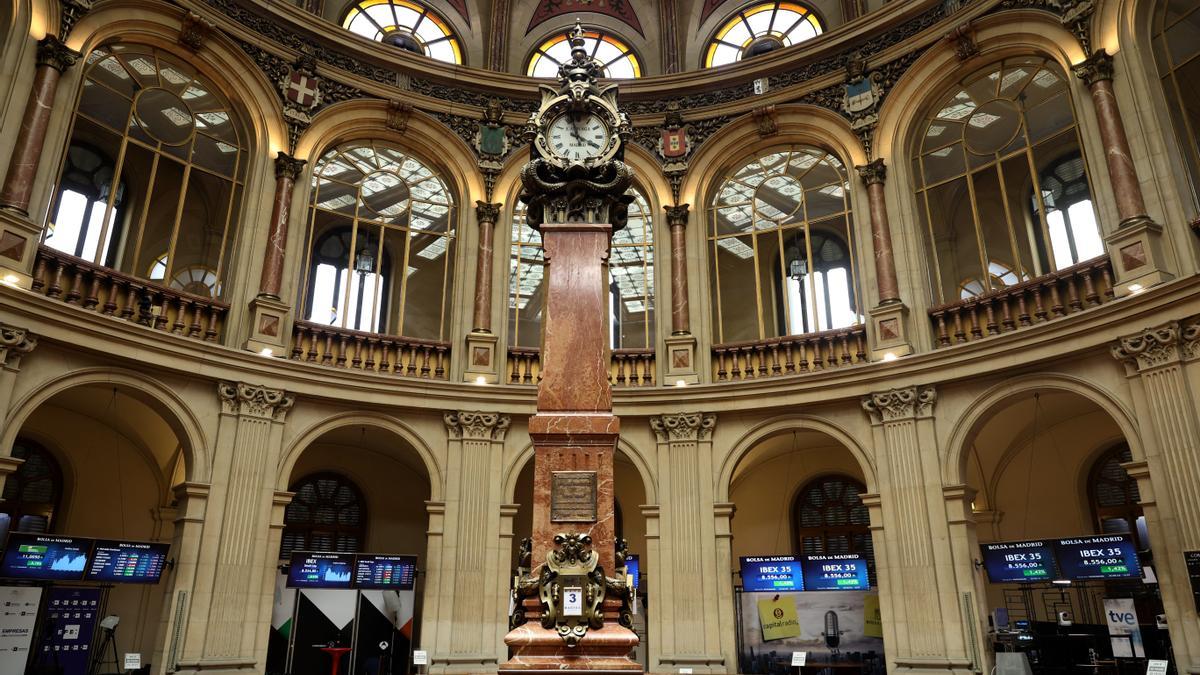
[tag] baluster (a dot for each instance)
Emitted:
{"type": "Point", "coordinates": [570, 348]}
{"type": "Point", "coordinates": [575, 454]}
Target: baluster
{"type": "Point", "coordinates": [748, 369]}
{"type": "Point", "coordinates": [620, 363]}
{"type": "Point", "coordinates": [776, 368]}
{"type": "Point", "coordinates": [722, 374]}
{"type": "Point", "coordinates": [943, 335]}
{"type": "Point", "coordinates": [92, 298]}
{"type": "Point", "coordinates": [648, 369]}
{"type": "Point", "coordinates": [327, 355]}
{"type": "Point", "coordinates": [860, 352]}
{"type": "Point", "coordinates": [959, 334]}
{"type": "Point", "coordinates": [180, 313]}
{"type": "Point", "coordinates": [341, 352]}
{"type": "Point", "coordinates": [385, 350]}
{"type": "Point", "coordinates": [425, 361]}
{"type": "Point", "coordinates": [297, 342]}
{"type": "Point", "coordinates": [736, 372]}
{"type": "Point", "coordinates": [356, 360]}
{"type": "Point", "coordinates": [1108, 284]}
{"type": "Point", "coordinates": [789, 364]}
{"type": "Point", "coordinates": [992, 327]}
{"type": "Point", "coordinates": [163, 304]}
{"type": "Point", "coordinates": [818, 359]}
{"type": "Point", "coordinates": [847, 357]}
{"type": "Point", "coordinates": [1089, 288]}
{"type": "Point", "coordinates": [110, 297]}
{"type": "Point", "coordinates": [194, 329]}
{"type": "Point", "coordinates": [760, 352]}
{"type": "Point", "coordinates": [1006, 320]}
{"type": "Point", "coordinates": [803, 345]}
{"type": "Point", "coordinates": [440, 371]}
{"type": "Point", "coordinates": [514, 361]}
{"type": "Point", "coordinates": [1039, 311]}
{"type": "Point", "coordinates": [411, 368]}
{"type": "Point", "coordinates": [1073, 300]}
{"type": "Point", "coordinates": [831, 351]}
{"type": "Point", "coordinates": [75, 293]}
{"type": "Point", "coordinates": [55, 288]}
{"type": "Point", "coordinates": [39, 273]}
{"type": "Point", "coordinates": [130, 300]}
{"type": "Point", "coordinates": [527, 377]}
{"type": "Point", "coordinates": [214, 315]}
{"type": "Point", "coordinates": [369, 363]}
{"type": "Point", "coordinates": [1056, 305]}
{"type": "Point", "coordinates": [1022, 310]}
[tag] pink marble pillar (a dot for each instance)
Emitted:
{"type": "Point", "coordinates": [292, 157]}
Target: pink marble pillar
{"type": "Point", "coordinates": [53, 57]}
{"type": "Point", "coordinates": [873, 176]}
{"type": "Point", "coordinates": [287, 169]}
{"type": "Point", "coordinates": [677, 219]}
{"type": "Point", "coordinates": [1097, 73]}
{"type": "Point", "coordinates": [487, 214]}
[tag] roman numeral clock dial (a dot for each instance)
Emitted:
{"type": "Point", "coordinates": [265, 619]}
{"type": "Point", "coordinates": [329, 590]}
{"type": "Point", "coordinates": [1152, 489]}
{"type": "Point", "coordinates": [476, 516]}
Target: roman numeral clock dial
{"type": "Point", "coordinates": [578, 137]}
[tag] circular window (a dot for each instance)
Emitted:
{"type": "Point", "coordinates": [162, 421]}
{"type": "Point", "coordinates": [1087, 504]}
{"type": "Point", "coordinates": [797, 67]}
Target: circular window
{"type": "Point", "coordinates": [778, 197]}
{"type": "Point", "coordinates": [992, 126]}
{"type": "Point", "coordinates": [164, 116]}
{"type": "Point", "coordinates": [385, 193]}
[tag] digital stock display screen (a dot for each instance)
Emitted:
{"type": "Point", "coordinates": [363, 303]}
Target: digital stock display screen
{"type": "Point", "coordinates": [38, 556]}
{"type": "Point", "coordinates": [835, 572]}
{"type": "Point", "coordinates": [127, 562]}
{"type": "Point", "coordinates": [772, 573]}
{"type": "Point", "coordinates": [1106, 556]}
{"type": "Point", "coordinates": [320, 570]}
{"type": "Point", "coordinates": [1019, 561]}
{"type": "Point", "coordinates": [385, 572]}
{"type": "Point", "coordinates": [633, 567]}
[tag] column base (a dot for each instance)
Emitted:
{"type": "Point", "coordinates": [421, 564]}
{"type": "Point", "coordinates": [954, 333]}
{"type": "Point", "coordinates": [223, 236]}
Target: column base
{"type": "Point", "coordinates": [537, 650]}
{"type": "Point", "coordinates": [680, 360]}
{"type": "Point", "coordinates": [1136, 252]}
{"type": "Point", "coordinates": [271, 326]}
{"type": "Point", "coordinates": [18, 247]}
{"type": "Point", "coordinates": [890, 331]}
{"type": "Point", "coordinates": [481, 358]}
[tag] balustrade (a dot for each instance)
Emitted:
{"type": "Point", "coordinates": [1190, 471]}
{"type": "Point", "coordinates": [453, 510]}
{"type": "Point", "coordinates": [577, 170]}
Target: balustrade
{"type": "Point", "coordinates": [369, 352]}
{"type": "Point", "coordinates": [84, 284]}
{"type": "Point", "coordinates": [1067, 291]}
{"type": "Point", "coordinates": [627, 367]}
{"type": "Point", "coordinates": [789, 355]}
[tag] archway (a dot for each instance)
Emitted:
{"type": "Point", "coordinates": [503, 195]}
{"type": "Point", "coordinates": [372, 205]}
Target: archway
{"type": "Point", "coordinates": [799, 509]}
{"type": "Point", "coordinates": [359, 487]}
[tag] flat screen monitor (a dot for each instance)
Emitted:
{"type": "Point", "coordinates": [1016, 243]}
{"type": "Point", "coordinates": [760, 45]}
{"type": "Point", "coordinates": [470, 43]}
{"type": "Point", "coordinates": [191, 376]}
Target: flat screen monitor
{"type": "Point", "coordinates": [128, 562]}
{"type": "Point", "coordinates": [1105, 556]}
{"type": "Point", "coordinates": [633, 567]}
{"type": "Point", "coordinates": [43, 556]}
{"type": "Point", "coordinates": [320, 570]}
{"type": "Point", "coordinates": [835, 572]}
{"type": "Point", "coordinates": [771, 573]}
{"type": "Point", "coordinates": [385, 572]}
{"type": "Point", "coordinates": [1019, 561]}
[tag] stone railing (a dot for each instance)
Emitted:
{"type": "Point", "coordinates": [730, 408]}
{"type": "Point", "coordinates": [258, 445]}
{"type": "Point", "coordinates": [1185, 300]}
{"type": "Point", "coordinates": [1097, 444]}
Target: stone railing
{"type": "Point", "coordinates": [371, 352]}
{"type": "Point", "coordinates": [627, 367]}
{"type": "Point", "coordinates": [1067, 291]}
{"type": "Point", "coordinates": [105, 291]}
{"type": "Point", "coordinates": [789, 355]}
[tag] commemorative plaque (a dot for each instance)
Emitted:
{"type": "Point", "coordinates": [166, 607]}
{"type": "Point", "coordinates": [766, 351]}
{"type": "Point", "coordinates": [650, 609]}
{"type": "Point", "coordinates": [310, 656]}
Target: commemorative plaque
{"type": "Point", "coordinates": [573, 497]}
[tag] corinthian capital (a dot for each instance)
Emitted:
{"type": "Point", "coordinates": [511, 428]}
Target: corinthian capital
{"type": "Point", "coordinates": [475, 425]}
{"type": "Point", "coordinates": [677, 216]}
{"type": "Point", "coordinates": [52, 52]}
{"type": "Point", "coordinates": [900, 404]}
{"type": "Point", "coordinates": [1097, 67]}
{"type": "Point", "coordinates": [872, 172]}
{"type": "Point", "coordinates": [239, 398]}
{"type": "Point", "coordinates": [487, 212]}
{"type": "Point", "coordinates": [1153, 347]}
{"type": "Point", "coordinates": [14, 343]}
{"type": "Point", "coordinates": [683, 426]}
{"type": "Point", "coordinates": [287, 166]}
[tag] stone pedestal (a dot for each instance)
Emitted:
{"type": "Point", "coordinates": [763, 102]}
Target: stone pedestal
{"type": "Point", "coordinates": [271, 326]}
{"type": "Point", "coordinates": [1138, 258]}
{"type": "Point", "coordinates": [482, 360]}
{"type": "Point", "coordinates": [18, 247]}
{"type": "Point", "coordinates": [680, 363]}
{"type": "Point", "coordinates": [889, 324]}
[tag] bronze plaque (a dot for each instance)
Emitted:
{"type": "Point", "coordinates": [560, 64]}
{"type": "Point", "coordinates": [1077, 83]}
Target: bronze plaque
{"type": "Point", "coordinates": [573, 497]}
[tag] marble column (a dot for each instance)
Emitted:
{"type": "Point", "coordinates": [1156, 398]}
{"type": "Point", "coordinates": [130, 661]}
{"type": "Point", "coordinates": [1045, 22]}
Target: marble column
{"type": "Point", "coordinates": [873, 176]}
{"type": "Point", "coordinates": [1097, 73]}
{"type": "Point", "coordinates": [486, 214]}
{"type": "Point", "coordinates": [1163, 367]}
{"type": "Point", "coordinates": [231, 599]}
{"type": "Point", "coordinates": [287, 170]}
{"type": "Point", "coordinates": [927, 632]}
{"type": "Point", "coordinates": [469, 610]}
{"type": "Point", "coordinates": [53, 57]}
{"type": "Point", "coordinates": [680, 345]}
{"type": "Point", "coordinates": [687, 631]}
{"type": "Point", "coordinates": [14, 343]}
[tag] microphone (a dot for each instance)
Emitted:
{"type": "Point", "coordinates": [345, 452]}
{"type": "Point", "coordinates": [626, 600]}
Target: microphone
{"type": "Point", "coordinates": [833, 637]}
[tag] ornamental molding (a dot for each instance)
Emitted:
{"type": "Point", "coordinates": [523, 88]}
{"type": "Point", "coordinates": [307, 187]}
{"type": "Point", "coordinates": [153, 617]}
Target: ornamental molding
{"type": "Point", "coordinates": [252, 400]}
{"type": "Point", "coordinates": [1158, 346]}
{"type": "Point", "coordinates": [898, 405]}
{"type": "Point", "coordinates": [683, 426]}
{"type": "Point", "coordinates": [873, 172]}
{"type": "Point", "coordinates": [194, 31]}
{"type": "Point", "coordinates": [677, 215]}
{"type": "Point", "coordinates": [71, 12]}
{"type": "Point", "coordinates": [475, 425]}
{"type": "Point", "coordinates": [15, 342]}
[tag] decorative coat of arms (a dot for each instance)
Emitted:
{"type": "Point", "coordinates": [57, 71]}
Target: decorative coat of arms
{"type": "Point", "coordinates": [301, 89]}
{"type": "Point", "coordinates": [863, 93]}
{"type": "Point", "coordinates": [492, 137]}
{"type": "Point", "coordinates": [674, 144]}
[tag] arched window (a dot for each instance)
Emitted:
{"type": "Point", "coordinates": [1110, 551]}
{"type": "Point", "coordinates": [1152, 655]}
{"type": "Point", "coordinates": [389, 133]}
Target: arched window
{"type": "Point", "coordinates": [782, 252]}
{"type": "Point", "coordinates": [760, 28]}
{"type": "Point", "coordinates": [32, 493]}
{"type": "Point", "coordinates": [328, 513]}
{"type": "Point", "coordinates": [152, 179]}
{"type": "Point", "coordinates": [381, 249]}
{"type": "Point", "coordinates": [407, 25]}
{"type": "Point", "coordinates": [1002, 188]}
{"type": "Point", "coordinates": [630, 281]}
{"type": "Point", "coordinates": [618, 59]}
{"type": "Point", "coordinates": [1176, 39]}
{"type": "Point", "coordinates": [829, 517]}
{"type": "Point", "coordinates": [1114, 497]}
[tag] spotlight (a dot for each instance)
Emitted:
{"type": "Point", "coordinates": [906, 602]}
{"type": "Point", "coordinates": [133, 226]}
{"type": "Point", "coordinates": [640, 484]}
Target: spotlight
{"type": "Point", "coordinates": [11, 279]}
{"type": "Point", "coordinates": [481, 380]}
{"type": "Point", "coordinates": [1134, 289]}
{"type": "Point", "coordinates": [680, 383]}
{"type": "Point", "coordinates": [267, 351]}
{"type": "Point", "coordinates": [890, 356]}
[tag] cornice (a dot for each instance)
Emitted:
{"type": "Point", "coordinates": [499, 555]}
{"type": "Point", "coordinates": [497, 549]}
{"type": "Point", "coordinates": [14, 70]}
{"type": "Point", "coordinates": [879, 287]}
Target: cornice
{"type": "Point", "coordinates": [162, 354]}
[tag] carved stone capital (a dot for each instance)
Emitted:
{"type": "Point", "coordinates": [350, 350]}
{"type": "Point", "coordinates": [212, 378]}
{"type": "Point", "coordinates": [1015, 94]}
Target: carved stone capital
{"type": "Point", "coordinates": [488, 212]}
{"type": "Point", "coordinates": [1098, 67]}
{"type": "Point", "coordinates": [52, 52]}
{"type": "Point", "coordinates": [398, 113]}
{"type": "Point", "coordinates": [872, 172]}
{"type": "Point", "coordinates": [683, 426]}
{"type": "Point", "coordinates": [239, 398]}
{"type": "Point", "coordinates": [475, 425]}
{"type": "Point", "coordinates": [767, 120]}
{"type": "Point", "coordinates": [14, 343]}
{"type": "Point", "coordinates": [677, 216]}
{"type": "Point", "coordinates": [287, 166]}
{"type": "Point", "coordinates": [1154, 347]}
{"type": "Point", "coordinates": [900, 404]}
{"type": "Point", "coordinates": [194, 31]}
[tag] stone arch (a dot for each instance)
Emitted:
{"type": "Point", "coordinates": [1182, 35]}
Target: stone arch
{"type": "Point", "coordinates": [305, 438]}
{"type": "Point", "coordinates": [979, 411]}
{"type": "Point", "coordinates": [771, 427]}
{"type": "Point", "coordinates": [156, 395]}
{"type": "Point", "coordinates": [517, 464]}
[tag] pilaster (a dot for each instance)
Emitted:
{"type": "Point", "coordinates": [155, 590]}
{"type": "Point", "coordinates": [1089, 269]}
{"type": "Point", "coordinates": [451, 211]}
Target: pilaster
{"type": "Point", "coordinates": [1161, 363]}
{"type": "Point", "coordinates": [191, 502]}
{"type": "Point", "coordinates": [927, 634]}
{"type": "Point", "coordinates": [15, 342]}
{"type": "Point", "coordinates": [472, 604]}
{"type": "Point", "coordinates": [686, 607]}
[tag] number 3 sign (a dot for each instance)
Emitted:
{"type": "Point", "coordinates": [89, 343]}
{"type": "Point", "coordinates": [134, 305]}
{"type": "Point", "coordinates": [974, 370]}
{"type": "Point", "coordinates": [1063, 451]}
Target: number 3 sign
{"type": "Point", "coordinates": [572, 601]}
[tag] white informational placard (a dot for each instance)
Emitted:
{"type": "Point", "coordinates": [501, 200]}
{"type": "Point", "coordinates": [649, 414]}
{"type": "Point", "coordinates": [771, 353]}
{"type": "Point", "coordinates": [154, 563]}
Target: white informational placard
{"type": "Point", "coordinates": [133, 661]}
{"type": "Point", "coordinates": [799, 659]}
{"type": "Point", "coordinates": [1156, 667]}
{"type": "Point", "coordinates": [420, 657]}
{"type": "Point", "coordinates": [18, 616]}
{"type": "Point", "coordinates": [573, 601]}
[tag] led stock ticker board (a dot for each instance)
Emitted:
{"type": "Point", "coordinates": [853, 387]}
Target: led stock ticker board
{"type": "Point", "coordinates": [127, 562]}
{"type": "Point", "coordinates": [1108, 556]}
{"type": "Point", "coordinates": [366, 571]}
{"type": "Point", "coordinates": [39, 556]}
{"type": "Point", "coordinates": [833, 572]}
{"type": "Point", "coordinates": [320, 570]}
{"type": "Point", "coordinates": [385, 572]}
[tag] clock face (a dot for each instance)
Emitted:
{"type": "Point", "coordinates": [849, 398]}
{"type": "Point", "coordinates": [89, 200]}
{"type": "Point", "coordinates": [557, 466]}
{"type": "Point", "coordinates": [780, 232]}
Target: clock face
{"type": "Point", "coordinates": [577, 136]}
